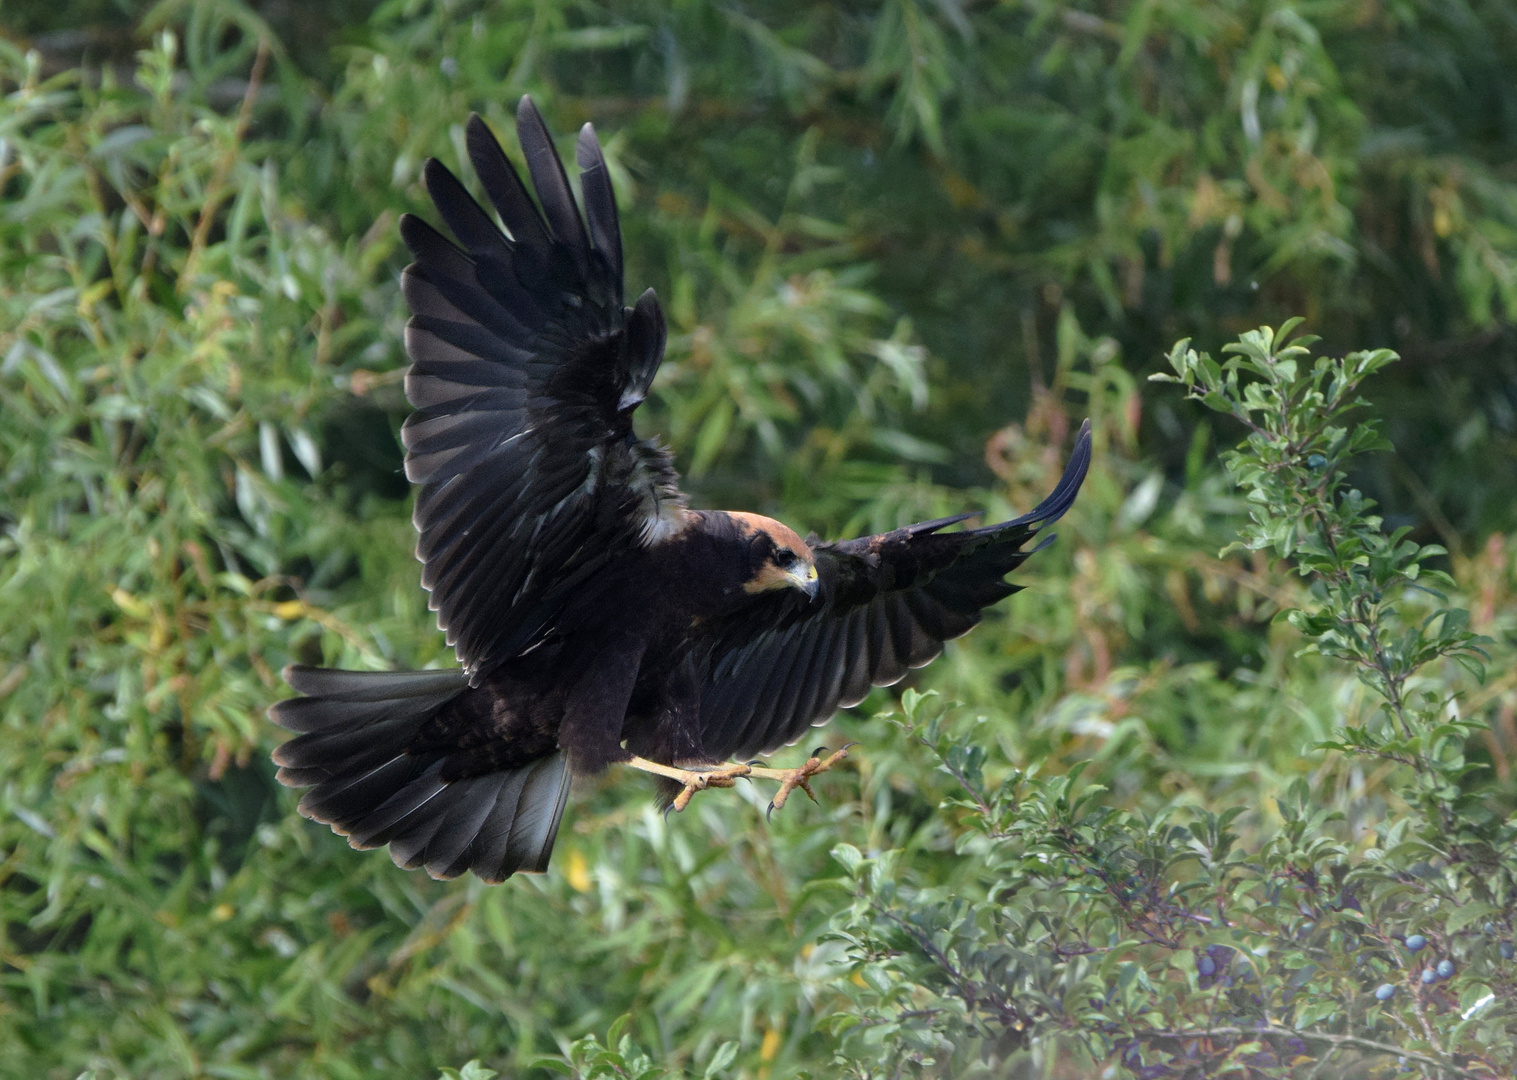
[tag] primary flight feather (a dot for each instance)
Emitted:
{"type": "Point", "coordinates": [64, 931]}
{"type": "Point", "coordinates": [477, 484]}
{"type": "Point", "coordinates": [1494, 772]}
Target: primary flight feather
{"type": "Point", "coordinates": [597, 618]}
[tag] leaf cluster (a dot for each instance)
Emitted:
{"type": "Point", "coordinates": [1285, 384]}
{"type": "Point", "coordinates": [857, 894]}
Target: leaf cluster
{"type": "Point", "coordinates": [1170, 941]}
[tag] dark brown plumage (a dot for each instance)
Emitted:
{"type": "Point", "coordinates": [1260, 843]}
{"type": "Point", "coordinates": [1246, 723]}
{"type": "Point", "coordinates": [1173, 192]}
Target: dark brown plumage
{"type": "Point", "coordinates": [596, 617]}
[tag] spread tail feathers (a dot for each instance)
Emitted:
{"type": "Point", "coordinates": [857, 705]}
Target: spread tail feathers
{"type": "Point", "coordinates": [356, 730]}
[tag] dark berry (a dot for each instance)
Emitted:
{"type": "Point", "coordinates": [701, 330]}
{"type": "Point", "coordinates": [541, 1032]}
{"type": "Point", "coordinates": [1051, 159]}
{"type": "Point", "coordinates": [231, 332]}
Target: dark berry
{"type": "Point", "coordinates": [1206, 966]}
{"type": "Point", "coordinates": [1416, 942]}
{"type": "Point", "coordinates": [1429, 975]}
{"type": "Point", "coordinates": [1445, 969]}
{"type": "Point", "coordinates": [1385, 991]}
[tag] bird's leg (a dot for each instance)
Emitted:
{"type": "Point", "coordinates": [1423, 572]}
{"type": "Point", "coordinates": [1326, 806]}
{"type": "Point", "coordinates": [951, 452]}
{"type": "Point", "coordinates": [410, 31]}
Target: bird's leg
{"type": "Point", "coordinates": [800, 777]}
{"type": "Point", "coordinates": [694, 780]}
{"type": "Point", "coordinates": [725, 776]}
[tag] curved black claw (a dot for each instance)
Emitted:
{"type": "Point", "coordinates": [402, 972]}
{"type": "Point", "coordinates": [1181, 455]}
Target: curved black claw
{"type": "Point", "coordinates": [799, 778]}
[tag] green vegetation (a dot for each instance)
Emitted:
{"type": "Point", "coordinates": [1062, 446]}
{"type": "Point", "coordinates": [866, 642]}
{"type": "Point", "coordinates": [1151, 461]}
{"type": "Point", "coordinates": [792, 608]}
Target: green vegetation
{"type": "Point", "coordinates": [1175, 935]}
{"type": "Point", "coordinates": [1173, 812]}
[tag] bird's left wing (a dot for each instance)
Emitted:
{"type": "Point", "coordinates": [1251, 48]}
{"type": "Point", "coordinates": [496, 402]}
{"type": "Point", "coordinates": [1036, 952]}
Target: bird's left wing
{"type": "Point", "coordinates": [887, 603]}
{"type": "Point", "coordinates": [526, 369]}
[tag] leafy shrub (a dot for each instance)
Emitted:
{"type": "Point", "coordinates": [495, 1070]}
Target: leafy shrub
{"type": "Point", "coordinates": [1360, 922]}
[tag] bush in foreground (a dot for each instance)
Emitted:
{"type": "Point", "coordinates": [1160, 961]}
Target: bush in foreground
{"type": "Point", "coordinates": [1262, 938]}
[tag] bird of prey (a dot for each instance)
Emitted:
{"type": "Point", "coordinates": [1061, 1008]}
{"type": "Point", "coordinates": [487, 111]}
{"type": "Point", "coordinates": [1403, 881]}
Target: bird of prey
{"type": "Point", "coordinates": [597, 618]}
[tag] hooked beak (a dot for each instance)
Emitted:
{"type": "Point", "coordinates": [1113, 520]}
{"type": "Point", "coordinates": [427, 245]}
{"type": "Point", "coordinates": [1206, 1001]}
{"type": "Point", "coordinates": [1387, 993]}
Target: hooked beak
{"type": "Point", "coordinates": [804, 577]}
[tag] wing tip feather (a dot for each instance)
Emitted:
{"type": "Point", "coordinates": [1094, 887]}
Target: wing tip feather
{"type": "Point", "coordinates": [587, 151]}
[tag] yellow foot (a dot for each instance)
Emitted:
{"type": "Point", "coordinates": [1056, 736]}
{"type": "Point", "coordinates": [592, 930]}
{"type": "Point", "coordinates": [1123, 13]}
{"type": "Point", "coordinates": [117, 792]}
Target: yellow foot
{"type": "Point", "coordinates": [694, 780]}
{"type": "Point", "coordinates": [725, 776]}
{"type": "Point", "coordinates": [800, 777]}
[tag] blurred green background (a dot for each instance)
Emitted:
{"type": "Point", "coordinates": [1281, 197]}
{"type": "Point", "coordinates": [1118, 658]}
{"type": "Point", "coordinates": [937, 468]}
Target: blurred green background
{"type": "Point", "coordinates": [904, 247]}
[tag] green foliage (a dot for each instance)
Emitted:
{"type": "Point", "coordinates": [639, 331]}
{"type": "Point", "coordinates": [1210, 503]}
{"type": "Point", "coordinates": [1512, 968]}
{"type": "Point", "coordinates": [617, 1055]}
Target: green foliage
{"type": "Point", "coordinates": [882, 232]}
{"type": "Point", "coordinates": [471, 1071]}
{"type": "Point", "coordinates": [1292, 466]}
{"type": "Point", "coordinates": [1166, 938]}
{"type": "Point", "coordinates": [587, 1059]}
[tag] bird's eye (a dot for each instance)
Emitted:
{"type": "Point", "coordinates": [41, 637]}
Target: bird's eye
{"type": "Point", "coordinates": [785, 558]}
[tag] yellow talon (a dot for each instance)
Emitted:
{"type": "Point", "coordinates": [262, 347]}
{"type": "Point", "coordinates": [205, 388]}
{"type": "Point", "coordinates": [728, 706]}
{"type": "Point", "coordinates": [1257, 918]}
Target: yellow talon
{"type": "Point", "coordinates": [791, 779]}
{"type": "Point", "coordinates": [723, 776]}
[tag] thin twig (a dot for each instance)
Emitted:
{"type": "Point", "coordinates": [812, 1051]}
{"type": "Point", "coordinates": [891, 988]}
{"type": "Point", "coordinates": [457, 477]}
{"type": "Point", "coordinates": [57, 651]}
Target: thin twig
{"type": "Point", "coordinates": [1321, 1037]}
{"type": "Point", "coordinates": [215, 191]}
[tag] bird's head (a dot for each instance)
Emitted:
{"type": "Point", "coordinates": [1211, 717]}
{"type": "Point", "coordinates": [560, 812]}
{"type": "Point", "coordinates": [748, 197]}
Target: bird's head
{"type": "Point", "coordinates": [779, 558]}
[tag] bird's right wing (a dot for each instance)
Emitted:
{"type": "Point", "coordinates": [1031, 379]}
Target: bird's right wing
{"type": "Point", "coordinates": [526, 369]}
{"type": "Point", "coordinates": [887, 603]}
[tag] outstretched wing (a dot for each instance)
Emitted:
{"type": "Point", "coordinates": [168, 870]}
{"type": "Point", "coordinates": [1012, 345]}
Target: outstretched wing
{"type": "Point", "coordinates": [886, 604]}
{"type": "Point", "coordinates": [526, 370]}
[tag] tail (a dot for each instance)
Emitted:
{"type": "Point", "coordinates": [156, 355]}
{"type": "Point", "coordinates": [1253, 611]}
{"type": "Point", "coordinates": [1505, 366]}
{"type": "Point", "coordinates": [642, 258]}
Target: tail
{"type": "Point", "coordinates": [356, 751]}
